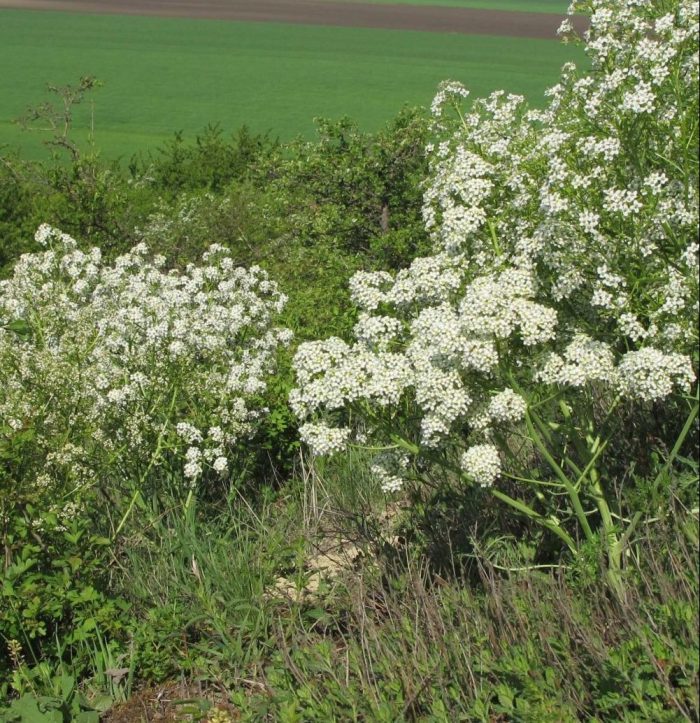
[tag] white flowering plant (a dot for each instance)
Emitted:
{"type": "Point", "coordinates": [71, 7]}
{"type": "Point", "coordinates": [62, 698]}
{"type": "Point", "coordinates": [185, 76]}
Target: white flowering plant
{"type": "Point", "coordinates": [561, 299]}
{"type": "Point", "coordinates": [130, 376]}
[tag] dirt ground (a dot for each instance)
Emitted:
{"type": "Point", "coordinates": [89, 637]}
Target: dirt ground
{"type": "Point", "coordinates": [320, 12]}
{"type": "Point", "coordinates": [174, 702]}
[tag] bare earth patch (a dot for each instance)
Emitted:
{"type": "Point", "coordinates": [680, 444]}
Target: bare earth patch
{"type": "Point", "coordinates": [173, 702]}
{"type": "Point", "coordinates": [318, 12]}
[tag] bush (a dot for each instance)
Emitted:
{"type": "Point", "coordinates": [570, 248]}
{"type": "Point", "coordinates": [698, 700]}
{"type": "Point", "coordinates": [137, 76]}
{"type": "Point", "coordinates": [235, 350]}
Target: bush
{"type": "Point", "coordinates": [130, 375]}
{"type": "Point", "coordinates": [122, 384]}
{"type": "Point", "coordinates": [560, 307]}
{"type": "Point", "coordinates": [352, 190]}
{"type": "Point", "coordinates": [210, 164]}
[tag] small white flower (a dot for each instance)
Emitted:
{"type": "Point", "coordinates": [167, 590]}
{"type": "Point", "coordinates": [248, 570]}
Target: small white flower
{"type": "Point", "coordinates": [43, 234]}
{"type": "Point", "coordinates": [482, 464]}
{"type": "Point", "coordinates": [220, 465]}
{"type": "Point", "coordinates": [324, 440]}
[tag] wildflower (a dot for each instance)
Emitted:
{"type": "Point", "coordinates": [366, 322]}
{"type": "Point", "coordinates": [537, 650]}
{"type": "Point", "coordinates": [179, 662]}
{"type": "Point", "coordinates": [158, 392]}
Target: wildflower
{"type": "Point", "coordinates": [324, 440]}
{"type": "Point", "coordinates": [482, 464]}
{"type": "Point", "coordinates": [119, 342]}
{"type": "Point", "coordinates": [564, 254]}
{"type": "Point", "coordinates": [650, 374]}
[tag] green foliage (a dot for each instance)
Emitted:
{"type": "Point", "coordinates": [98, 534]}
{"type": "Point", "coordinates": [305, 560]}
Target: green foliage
{"type": "Point", "coordinates": [54, 594]}
{"type": "Point", "coordinates": [162, 640]}
{"type": "Point", "coordinates": [16, 215]}
{"type": "Point", "coordinates": [351, 187]}
{"type": "Point", "coordinates": [453, 608]}
{"type": "Point", "coordinates": [201, 609]}
{"type": "Point", "coordinates": [210, 164]}
{"type": "Point", "coordinates": [526, 648]}
{"type": "Point", "coordinates": [54, 577]}
{"type": "Point", "coordinates": [64, 704]}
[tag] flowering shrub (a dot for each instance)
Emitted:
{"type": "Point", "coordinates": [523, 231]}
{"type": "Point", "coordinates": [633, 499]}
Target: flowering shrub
{"type": "Point", "coordinates": [563, 286]}
{"type": "Point", "coordinates": [128, 375]}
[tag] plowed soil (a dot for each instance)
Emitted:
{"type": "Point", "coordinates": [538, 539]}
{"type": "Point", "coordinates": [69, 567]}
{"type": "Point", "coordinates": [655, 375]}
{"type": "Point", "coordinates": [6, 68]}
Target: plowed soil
{"type": "Point", "coordinates": [318, 12]}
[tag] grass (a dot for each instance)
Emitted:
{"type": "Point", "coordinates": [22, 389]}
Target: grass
{"type": "Point", "coordinates": [162, 75]}
{"type": "Point", "coordinates": [386, 638]}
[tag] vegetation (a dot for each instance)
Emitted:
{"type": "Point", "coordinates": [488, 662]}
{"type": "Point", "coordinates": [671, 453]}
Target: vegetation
{"type": "Point", "coordinates": [558, 7]}
{"type": "Point", "coordinates": [381, 426]}
{"type": "Point", "coordinates": [270, 77]}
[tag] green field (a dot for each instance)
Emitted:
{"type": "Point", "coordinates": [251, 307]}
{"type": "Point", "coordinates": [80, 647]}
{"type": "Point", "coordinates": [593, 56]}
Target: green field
{"type": "Point", "coordinates": [524, 6]}
{"type": "Point", "coordinates": [162, 75]}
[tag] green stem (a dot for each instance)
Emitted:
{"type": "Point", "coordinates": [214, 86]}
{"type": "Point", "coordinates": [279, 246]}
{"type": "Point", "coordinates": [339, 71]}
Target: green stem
{"type": "Point", "coordinates": [405, 444]}
{"type": "Point", "coordinates": [608, 524]}
{"type": "Point", "coordinates": [570, 488]}
{"type": "Point", "coordinates": [531, 481]}
{"type": "Point", "coordinates": [624, 540]}
{"type": "Point", "coordinates": [544, 430]}
{"type": "Point", "coordinates": [589, 470]}
{"type": "Point", "coordinates": [494, 238]}
{"type": "Point", "coordinates": [547, 522]}
{"type": "Point", "coordinates": [134, 498]}
{"type": "Point", "coordinates": [188, 502]}
{"type": "Point", "coordinates": [611, 540]}
{"type": "Point", "coordinates": [154, 458]}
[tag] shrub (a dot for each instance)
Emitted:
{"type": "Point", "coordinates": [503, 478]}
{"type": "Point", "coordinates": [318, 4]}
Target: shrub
{"type": "Point", "coordinates": [353, 190]}
{"type": "Point", "coordinates": [128, 373]}
{"type": "Point", "coordinates": [560, 306]}
{"type": "Point", "coordinates": [122, 383]}
{"type": "Point", "coordinates": [210, 163]}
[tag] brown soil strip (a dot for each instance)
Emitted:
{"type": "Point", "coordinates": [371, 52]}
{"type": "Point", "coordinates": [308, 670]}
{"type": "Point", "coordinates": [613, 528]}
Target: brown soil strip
{"type": "Point", "coordinates": [317, 12]}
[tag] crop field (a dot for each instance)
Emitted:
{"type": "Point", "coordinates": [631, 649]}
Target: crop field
{"type": "Point", "coordinates": [522, 6]}
{"type": "Point", "coordinates": [162, 75]}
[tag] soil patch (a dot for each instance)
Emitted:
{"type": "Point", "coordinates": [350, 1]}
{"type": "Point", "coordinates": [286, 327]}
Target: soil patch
{"type": "Point", "coordinates": [173, 702]}
{"type": "Point", "coordinates": [317, 12]}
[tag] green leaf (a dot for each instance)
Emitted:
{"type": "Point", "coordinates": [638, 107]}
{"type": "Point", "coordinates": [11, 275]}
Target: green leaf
{"type": "Point", "coordinates": [20, 327]}
{"type": "Point", "coordinates": [87, 716]}
{"type": "Point", "coordinates": [102, 703]}
{"type": "Point", "coordinates": [73, 537]}
{"type": "Point", "coordinates": [88, 594]}
{"type": "Point", "coordinates": [26, 710]}
{"type": "Point", "coordinates": [67, 686]}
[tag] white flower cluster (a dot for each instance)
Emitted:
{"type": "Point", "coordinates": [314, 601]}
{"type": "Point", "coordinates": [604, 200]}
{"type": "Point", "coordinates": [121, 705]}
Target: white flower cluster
{"type": "Point", "coordinates": [125, 358]}
{"type": "Point", "coordinates": [565, 253]}
{"type": "Point", "coordinates": [507, 406]}
{"type": "Point", "coordinates": [377, 331]}
{"type": "Point", "coordinates": [390, 469]}
{"type": "Point", "coordinates": [324, 440]}
{"type": "Point", "coordinates": [583, 362]}
{"type": "Point", "coordinates": [427, 280]}
{"type": "Point", "coordinates": [496, 305]}
{"type": "Point", "coordinates": [651, 375]}
{"type": "Point", "coordinates": [449, 91]}
{"type": "Point", "coordinates": [482, 464]}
